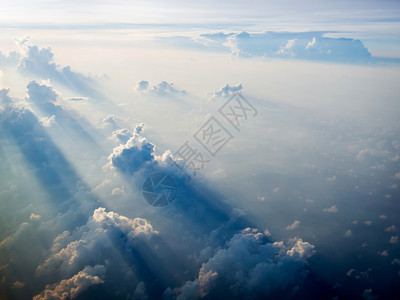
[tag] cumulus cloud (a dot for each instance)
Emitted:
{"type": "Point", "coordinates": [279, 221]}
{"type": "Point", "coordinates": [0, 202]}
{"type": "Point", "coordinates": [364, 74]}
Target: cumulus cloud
{"type": "Point", "coordinates": [40, 62]}
{"type": "Point", "coordinates": [249, 267]}
{"type": "Point", "coordinates": [294, 225]}
{"type": "Point", "coordinates": [118, 191]}
{"type": "Point", "coordinates": [137, 153]}
{"type": "Point", "coordinates": [121, 135]}
{"type": "Point", "coordinates": [312, 43]}
{"type": "Point", "coordinates": [9, 60]}
{"type": "Point", "coordinates": [110, 122]}
{"type": "Point", "coordinates": [164, 88]}
{"type": "Point", "coordinates": [332, 209]}
{"type": "Point", "coordinates": [227, 91]}
{"type": "Point", "coordinates": [288, 48]}
{"type": "Point", "coordinates": [48, 121]}
{"type": "Point", "coordinates": [41, 94]}
{"type": "Point", "coordinates": [72, 287]}
{"type": "Point", "coordinates": [300, 45]}
{"type": "Point", "coordinates": [34, 217]}
{"type": "Point", "coordinates": [133, 227]}
{"type": "Point", "coordinates": [142, 85]}
{"type": "Point", "coordinates": [69, 255]}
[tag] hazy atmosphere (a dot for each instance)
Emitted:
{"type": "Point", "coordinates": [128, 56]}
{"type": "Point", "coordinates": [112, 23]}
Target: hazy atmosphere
{"type": "Point", "coordinates": [199, 149]}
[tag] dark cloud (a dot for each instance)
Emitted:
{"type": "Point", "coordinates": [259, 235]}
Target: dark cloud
{"type": "Point", "coordinates": [250, 267]}
{"type": "Point", "coordinates": [72, 287]}
{"type": "Point", "coordinates": [136, 154]}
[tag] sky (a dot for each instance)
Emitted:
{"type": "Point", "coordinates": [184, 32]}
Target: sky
{"type": "Point", "coordinates": [190, 150]}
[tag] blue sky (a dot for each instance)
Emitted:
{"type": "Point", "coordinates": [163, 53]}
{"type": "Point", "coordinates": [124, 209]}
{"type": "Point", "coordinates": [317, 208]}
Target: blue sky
{"type": "Point", "coordinates": [297, 197]}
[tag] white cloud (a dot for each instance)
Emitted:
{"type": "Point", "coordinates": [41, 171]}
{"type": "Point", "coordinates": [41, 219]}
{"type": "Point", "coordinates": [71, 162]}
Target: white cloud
{"type": "Point", "coordinates": [142, 85]}
{"type": "Point", "coordinates": [291, 45]}
{"type": "Point", "coordinates": [134, 155]}
{"type": "Point", "coordinates": [111, 121]}
{"type": "Point", "coordinates": [40, 62]}
{"type": "Point", "coordinates": [312, 43]}
{"type": "Point", "coordinates": [119, 191]}
{"type": "Point", "coordinates": [164, 88]}
{"type": "Point", "coordinates": [9, 60]}
{"type": "Point", "coordinates": [394, 239]}
{"type": "Point", "coordinates": [34, 216]}
{"type": "Point", "coordinates": [121, 135]}
{"type": "Point", "coordinates": [288, 48]}
{"type": "Point", "coordinates": [301, 249]}
{"type": "Point", "coordinates": [332, 209]}
{"type": "Point", "coordinates": [294, 225]}
{"type": "Point", "coordinates": [227, 91]}
{"type": "Point", "coordinates": [48, 121]}
{"type": "Point", "coordinates": [133, 227]}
